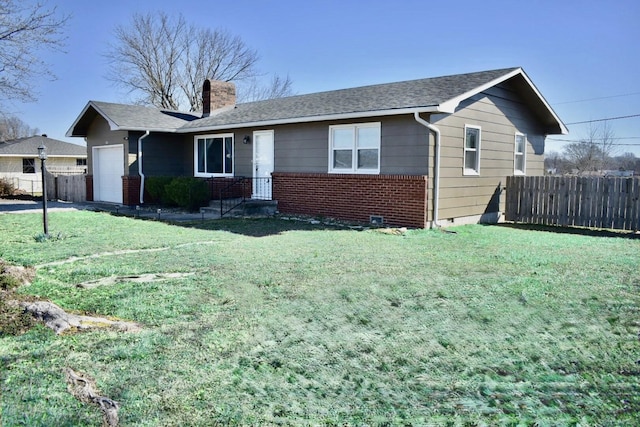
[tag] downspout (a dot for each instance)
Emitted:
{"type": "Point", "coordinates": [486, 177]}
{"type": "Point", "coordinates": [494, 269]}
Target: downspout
{"type": "Point", "coordinates": [436, 166]}
{"type": "Point", "coordinates": [146, 134]}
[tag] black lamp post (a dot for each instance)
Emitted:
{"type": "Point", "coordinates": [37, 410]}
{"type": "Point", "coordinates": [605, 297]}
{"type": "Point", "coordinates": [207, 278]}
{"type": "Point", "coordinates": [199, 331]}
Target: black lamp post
{"type": "Point", "coordinates": [42, 153]}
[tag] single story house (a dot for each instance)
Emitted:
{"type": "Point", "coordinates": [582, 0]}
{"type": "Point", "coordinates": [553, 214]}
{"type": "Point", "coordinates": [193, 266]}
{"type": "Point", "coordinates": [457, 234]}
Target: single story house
{"type": "Point", "coordinates": [415, 153]}
{"type": "Point", "coordinates": [20, 165]}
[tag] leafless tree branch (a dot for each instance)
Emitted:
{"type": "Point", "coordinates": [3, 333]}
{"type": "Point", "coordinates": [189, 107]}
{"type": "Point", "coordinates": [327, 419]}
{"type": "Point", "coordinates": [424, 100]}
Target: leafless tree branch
{"type": "Point", "coordinates": [164, 61]}
{"type": "Point", "coordinates": [25, 30]}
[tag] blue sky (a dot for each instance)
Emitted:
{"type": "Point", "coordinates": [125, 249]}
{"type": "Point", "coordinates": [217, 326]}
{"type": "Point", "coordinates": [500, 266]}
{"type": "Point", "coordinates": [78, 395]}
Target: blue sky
{"type": "Point", "coordinates": [572, 50]}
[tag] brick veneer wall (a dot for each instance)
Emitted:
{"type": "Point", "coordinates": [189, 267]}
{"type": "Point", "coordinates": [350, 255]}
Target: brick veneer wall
{"type": "Point", "coordinates": [400, 199]}
{"type": "Point", "coordinates": [217, 184]}
{"type": "Point", "coordinates": [131, 190]}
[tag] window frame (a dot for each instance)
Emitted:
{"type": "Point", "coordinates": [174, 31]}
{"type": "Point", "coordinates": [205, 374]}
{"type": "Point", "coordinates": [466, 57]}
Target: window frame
{"type": "Point", "coordinates": [207, 174]}
{"type": "Point", "coordinates": [475, 171]}
{"type": "Point", "coordinates": [354, 148]}
{"type": "Point", "coordinates": [29, 163]}
{"type": "Point", "coordinates": [516, 153]}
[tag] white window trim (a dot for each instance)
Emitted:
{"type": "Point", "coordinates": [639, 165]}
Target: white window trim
{"type": "Point", "coordinates": [195, 155]}
{"type": "Point", "coordinates": [515, 154]}
{"type": "Point", "coordinates": [465, 170]}
{"type": "Point", "coordinates": [354, 151]}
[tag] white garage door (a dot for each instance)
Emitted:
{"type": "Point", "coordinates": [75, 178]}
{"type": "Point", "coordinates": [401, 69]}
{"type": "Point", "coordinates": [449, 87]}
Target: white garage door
{"type": "Point", "coordinates": [108, 168]}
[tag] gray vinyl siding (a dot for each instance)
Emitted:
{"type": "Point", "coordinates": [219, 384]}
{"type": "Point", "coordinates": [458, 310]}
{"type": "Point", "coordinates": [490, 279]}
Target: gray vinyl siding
{"type": "Point", "coordinates": [162, 155]}
{"type": "Point", "coordinates": [99, 134]}
{"type": "Point", "coordinates": [305, 147]}
{"type": "Point", "coordinates": [302, 148]}
{"type": "Point", "coordinates": [404, 147]}
{"type": "Point", "coordinates": [500, 113]}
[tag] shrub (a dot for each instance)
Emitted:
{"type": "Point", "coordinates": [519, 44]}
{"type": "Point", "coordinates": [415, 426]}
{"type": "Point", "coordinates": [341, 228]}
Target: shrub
{"type": "Point", "coordinates": [156, 186]}
{"type": "Point", "coordinates": [189, 193]}
{"type": "Point", "coordinates": [6, 187]}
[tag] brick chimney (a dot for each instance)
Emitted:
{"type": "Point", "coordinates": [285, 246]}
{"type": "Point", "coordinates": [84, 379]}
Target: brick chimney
{"type": "Point", "coordinates": [217, 94]}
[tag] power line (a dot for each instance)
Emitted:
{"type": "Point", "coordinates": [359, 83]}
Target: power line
{"type": "Point", "coordinates": [593, 139]}
{"type": "Point", "coordinates": [636, 144]}
{"type": "Point", "coordinates": [603, 120]}
{"type": "Point", "coordinates": [596, 99]}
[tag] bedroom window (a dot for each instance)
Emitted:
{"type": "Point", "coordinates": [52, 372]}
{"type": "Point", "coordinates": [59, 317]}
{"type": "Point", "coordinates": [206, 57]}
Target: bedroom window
{"type": "Point", "coordinates": [28, 165]}
{"type": "Point", "coordinates": [520, 154]}
{"type": "Point", "coordinates": [354, 148]}
{"type": "Point", "coordinates": [213, 155]}
{"type": "Point", "coordinates": [472, 150]}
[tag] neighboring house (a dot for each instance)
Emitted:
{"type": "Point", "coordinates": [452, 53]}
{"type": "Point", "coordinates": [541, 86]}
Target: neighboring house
{"type": "Point", "coordinates": [413, 153]}
{"type": "Point", "coordinates": [19, 162]}
{"type": "Point", "coordinates": [620, 173]}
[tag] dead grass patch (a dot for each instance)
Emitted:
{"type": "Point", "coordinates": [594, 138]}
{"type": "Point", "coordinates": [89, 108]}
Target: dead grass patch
{"type": "Point", "coordinates": [138, 278]}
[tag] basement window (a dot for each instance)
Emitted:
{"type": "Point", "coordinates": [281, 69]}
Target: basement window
{"type": "Point", "coordinates": [472, 150]}
{"type": "Point", "coordinates": [519, 161]}
{"type": "Point", "coordinates": [354, 148]}
{"type": "Point", "coordinates": [213, 155]}
{"type": "Point", "coordinates": [28, 165]}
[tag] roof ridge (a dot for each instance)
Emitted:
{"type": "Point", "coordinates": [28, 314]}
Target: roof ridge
{"type": "Point", "coordinates": [374, 85]}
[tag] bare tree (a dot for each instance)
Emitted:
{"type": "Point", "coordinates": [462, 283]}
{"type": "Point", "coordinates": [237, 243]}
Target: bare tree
{"type": "Point", "coordinates": [164, 60]}
{"type": "Point", "coordinates": [278, 87]}
{"type": "Point", "coordinates": [594, 152]}
{"type": "Point", "coordinates": [12, 127]}
{"type": "Point", "coordinates": [25, 30]}
{"type": "Point", "coordinates": [627, 161]}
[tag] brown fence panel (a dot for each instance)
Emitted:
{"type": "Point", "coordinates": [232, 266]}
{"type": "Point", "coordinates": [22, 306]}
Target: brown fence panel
{"type": "Point", "coordinates": [71, 188]}
{"type": "Point", "coordinates": [572, 201]}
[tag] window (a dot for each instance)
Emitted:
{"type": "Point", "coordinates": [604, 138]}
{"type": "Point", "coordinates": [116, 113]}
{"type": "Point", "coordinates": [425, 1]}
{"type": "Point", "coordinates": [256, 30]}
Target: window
{"type": "Point", "coordinates": [471, 150]}
{"type": "Point", "coordinates": [520, 154]}
{"type": "Point", "coordinates": [213, 155]}
{"type": "Point", "coordinates": [354, 148]}
{"type": "Point", "coordinates": [81, 162]}
{"type": "Point", "coordinates": [28, 165]}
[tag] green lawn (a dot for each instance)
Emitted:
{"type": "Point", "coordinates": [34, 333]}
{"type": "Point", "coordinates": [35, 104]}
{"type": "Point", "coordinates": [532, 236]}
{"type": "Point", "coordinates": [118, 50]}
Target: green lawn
{"type": "Point", "coordinates": [287, 323]}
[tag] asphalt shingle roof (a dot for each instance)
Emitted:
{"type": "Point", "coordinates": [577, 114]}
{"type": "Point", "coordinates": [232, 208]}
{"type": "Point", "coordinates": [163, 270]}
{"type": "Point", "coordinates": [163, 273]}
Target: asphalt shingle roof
{"type": "Point", "coordinates": [381, 97]}
{"type": "Point", "coordinates": [359, 101]}
{"type": "Point", "coordinates": [137, 116]}
{"type": "Point", "coordinates": [28, 147]}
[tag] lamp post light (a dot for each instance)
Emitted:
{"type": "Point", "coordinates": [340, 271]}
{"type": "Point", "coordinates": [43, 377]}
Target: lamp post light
{"type": "Point", "coordinates": [42, 154]}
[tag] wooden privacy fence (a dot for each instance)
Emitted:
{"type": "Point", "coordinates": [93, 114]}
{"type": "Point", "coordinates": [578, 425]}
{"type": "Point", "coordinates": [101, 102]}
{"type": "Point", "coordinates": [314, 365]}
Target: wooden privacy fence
{"type": "Point", "coordinates": [574, 201]}
{"type": "Point", "coordinates": [71, 188]}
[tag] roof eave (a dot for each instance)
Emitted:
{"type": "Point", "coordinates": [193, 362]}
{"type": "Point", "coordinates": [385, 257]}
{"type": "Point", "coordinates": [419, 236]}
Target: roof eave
{"type": "Point", "coordinates": [309, 119]}
{"type": "Point", "coordinates": [451, 105]}
{"type": "Point", "coordinates": [72, 133]}
{"type": "Point", "coordinates": [112, 125]}
{"type": "Point", "coordinates": [145, 129]}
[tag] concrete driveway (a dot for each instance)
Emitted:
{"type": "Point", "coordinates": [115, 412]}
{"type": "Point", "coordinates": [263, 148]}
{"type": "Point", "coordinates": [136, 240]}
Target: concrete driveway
{"type": "Point", "coordinates": [31, 206]}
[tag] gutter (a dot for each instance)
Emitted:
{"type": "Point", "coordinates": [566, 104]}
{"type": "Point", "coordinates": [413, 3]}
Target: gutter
{"type": "Point", "coordinates": [146, 134]}
{"type": "Point", "coordinates": [436, 166]}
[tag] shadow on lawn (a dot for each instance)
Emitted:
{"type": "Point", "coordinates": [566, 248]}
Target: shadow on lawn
{"type": "Point", "coordinates": [259, 227]}
{"type": "Point", "coordinates": [593, 232]}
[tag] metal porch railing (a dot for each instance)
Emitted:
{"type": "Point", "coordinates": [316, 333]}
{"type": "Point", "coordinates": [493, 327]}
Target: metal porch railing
{"type": "Point", "coordinates": [242, 189]}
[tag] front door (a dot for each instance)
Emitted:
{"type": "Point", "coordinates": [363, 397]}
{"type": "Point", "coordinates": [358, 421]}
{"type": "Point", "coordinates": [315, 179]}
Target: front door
{"type": "Point", "coordinates": [262, 164]}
